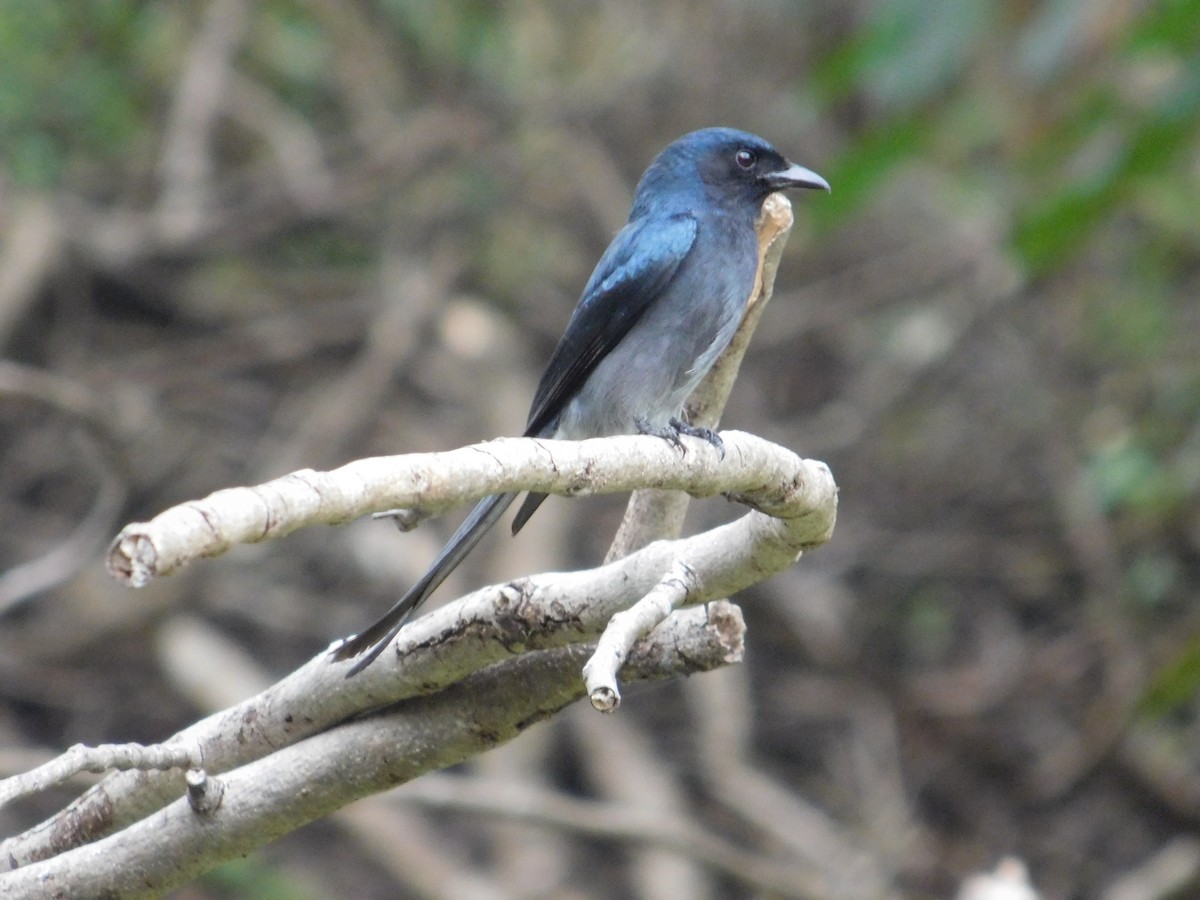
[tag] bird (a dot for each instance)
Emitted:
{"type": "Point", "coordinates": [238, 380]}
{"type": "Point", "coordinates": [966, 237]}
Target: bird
{"type": "Point", "coordinates": [661, 305]}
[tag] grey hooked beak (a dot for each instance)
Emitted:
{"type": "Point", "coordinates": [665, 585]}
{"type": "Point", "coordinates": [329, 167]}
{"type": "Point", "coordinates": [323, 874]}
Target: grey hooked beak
{"type": "Point", "coordinates": [795, 176]}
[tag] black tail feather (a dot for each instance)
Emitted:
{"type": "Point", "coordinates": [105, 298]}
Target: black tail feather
{"type": "Point", "coordinates": [374, 640]}
{"type": "Point", "coordinates": [528, 508]}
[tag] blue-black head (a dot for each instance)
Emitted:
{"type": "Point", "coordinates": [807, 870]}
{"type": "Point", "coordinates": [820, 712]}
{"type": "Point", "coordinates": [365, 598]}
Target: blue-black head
{"type": "Point", "coordinates": [734, 169]}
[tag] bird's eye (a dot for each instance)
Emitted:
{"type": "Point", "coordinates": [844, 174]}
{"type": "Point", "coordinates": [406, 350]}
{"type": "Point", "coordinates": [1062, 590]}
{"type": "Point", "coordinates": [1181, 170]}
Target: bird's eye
{"type": "Point", "coordinates": [745, 159]}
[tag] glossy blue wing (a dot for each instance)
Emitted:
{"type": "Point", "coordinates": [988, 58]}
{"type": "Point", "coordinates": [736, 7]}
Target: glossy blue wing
{"type": "Point", "coordinates": [635, 270]}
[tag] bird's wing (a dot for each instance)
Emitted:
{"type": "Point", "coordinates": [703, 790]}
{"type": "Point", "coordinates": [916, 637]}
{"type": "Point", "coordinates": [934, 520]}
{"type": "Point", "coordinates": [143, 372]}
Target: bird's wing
{"type": "Point", "coordinates": [634, 271]}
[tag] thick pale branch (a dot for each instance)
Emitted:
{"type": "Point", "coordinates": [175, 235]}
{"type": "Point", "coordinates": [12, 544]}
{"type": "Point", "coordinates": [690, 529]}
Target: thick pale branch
{"type": "Point", "coordinates": [299, 783]}
{"type": "Point", "coordinates": [624, 628]}
{"type": "Point", "coordinates": [430, 481]}
{"type": "Point", "coordinates": [487, 626]}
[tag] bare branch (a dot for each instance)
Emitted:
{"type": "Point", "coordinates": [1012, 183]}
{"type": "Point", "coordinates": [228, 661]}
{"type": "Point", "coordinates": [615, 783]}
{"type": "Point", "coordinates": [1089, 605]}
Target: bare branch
{"type": "Point", "coordinates": [438, 481]}
{"type": "Point", "coordinates": [616, 821]}
{"type": "Point", "coordinates": [29, 252]}
{"type": "Point", "coordinates": [545, 611]}
{"type": "Point", "coordinates": [97, 759]}
{"type": "Point", "coordinates": [98, 442]}
{"type": "Point", "coordinates": [186, 168]}
{"type": "Point", "coordinates": [600, 672]}
{"type": "Point", "coordinates": [311, 778]}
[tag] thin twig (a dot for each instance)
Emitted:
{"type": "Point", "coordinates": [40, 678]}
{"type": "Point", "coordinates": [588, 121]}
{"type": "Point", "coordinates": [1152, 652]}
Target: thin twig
{"type": "Point", "coordinates": [103, 758]}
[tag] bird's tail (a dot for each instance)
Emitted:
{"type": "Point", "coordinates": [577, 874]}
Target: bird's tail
{"type": "Point", "coordinates": [528, 508]}
{"type": "Point", "coordinates": [375, 639]}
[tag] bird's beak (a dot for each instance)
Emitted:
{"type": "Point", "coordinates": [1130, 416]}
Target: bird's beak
{"type": "Point", "coordinates": [795, 176]}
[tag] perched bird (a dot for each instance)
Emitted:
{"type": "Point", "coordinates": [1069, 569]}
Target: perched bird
{"type": "Point", "coordinates": [662, 304]}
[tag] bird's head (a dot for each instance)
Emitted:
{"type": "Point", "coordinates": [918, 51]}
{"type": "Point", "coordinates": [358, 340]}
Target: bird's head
{"type": "Point", "coordinates": [734, 168]}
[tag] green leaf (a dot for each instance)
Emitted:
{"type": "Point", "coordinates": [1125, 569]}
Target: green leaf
{"type": "Point", "coordinates": [1175, 685]}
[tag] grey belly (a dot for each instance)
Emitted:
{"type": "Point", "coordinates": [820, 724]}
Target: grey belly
{"type": "Point", "coordinates": [648, 376]}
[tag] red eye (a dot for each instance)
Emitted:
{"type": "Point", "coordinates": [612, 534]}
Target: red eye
{"type": "Point", "coordinates": [745, 159]}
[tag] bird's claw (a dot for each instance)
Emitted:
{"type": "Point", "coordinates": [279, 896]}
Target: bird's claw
{"type": "Point", "coordinates": [705, 434]}
{"type": "Point", "coordinates": [676, 427]}
{"type": "Point", "coordinates": [668, 433]}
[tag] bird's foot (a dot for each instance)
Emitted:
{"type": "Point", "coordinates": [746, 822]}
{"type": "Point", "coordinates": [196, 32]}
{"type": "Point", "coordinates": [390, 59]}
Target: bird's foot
{"type": "Point", "coordinates": [666, 432]}
{"type": "Point", "coordinates": [705, 434]}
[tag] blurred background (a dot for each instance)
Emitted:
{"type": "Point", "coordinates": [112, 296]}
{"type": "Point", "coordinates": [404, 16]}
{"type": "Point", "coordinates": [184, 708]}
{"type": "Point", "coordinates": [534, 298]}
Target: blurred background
{"type": "Point", "coordinates": [238, 239]}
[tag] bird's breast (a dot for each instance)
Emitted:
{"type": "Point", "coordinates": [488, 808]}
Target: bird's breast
{"type": "Point", "coordinates": [650, 373]}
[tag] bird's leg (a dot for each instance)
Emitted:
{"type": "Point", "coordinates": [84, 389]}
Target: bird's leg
{"type": "Point", "coordinates": [666, 432]}
{"type": "Point", "coordinates": [705, 434]}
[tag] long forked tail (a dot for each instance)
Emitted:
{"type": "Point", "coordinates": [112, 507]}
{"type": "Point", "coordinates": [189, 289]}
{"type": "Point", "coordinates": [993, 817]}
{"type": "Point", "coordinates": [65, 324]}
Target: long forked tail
{"type": "Point", "coordinates": [375, 639]}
